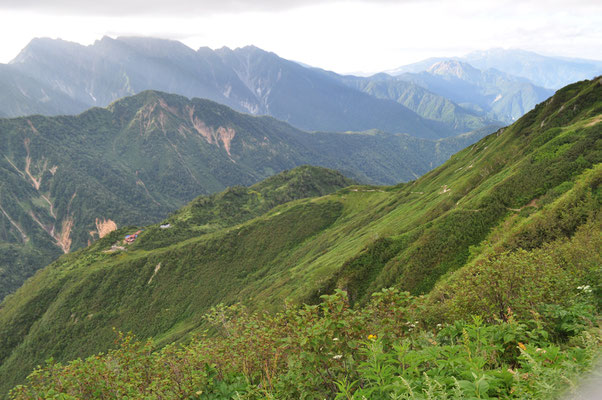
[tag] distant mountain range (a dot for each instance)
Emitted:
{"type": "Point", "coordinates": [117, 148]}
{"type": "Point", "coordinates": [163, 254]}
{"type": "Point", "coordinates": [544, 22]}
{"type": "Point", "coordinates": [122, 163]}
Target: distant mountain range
{"type": "Point", "coordinates": [432, 99]}
{"type": "Point", "coordinates": [71, 78]}
{"type": "Point", "coordinates": [496, 94]}
{"type": "Point", "coordinates": [65, 180]}
{"type": "Point", "coordinates": [544, 71]}
{"type": "Point", "coordinates": [420, 100]}
{"type": "Point", "coordinates": [455, 93]}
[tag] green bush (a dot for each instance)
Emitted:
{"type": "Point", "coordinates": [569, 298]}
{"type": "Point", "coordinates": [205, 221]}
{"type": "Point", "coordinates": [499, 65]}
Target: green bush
{"type": "Point", "coordinates": [330, 350]}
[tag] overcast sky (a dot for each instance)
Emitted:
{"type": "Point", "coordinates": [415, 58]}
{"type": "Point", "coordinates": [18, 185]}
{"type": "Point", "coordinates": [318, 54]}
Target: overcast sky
{"type": "Point", "coordinates": [343, 36]}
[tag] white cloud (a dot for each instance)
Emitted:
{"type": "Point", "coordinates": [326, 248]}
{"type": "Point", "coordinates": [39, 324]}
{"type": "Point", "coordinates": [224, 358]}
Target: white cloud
{"type": "Point", "coordinates": [345, 36]}
{"type": "Point", "coordinates": [162, 7]}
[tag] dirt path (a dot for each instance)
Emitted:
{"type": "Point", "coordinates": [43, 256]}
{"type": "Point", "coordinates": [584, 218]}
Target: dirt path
{"type": "Point", "coordinates": [596, 120]}
{"type": "Point", "coordinates": [367, 190]}
{"type": "Point", "coordinates": [445, 189]}
{"type": "Point", "coordinates": [157, 268]}
{"type": "Point", "coordinates": [532, 203]}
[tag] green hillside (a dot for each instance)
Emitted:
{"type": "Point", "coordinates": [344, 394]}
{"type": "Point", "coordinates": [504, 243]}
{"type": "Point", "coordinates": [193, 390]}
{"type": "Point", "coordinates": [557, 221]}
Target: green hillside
{"type": "Point", "coordinates": [529, 186]}
{"type": "Point", "coordinates": [149, 154]}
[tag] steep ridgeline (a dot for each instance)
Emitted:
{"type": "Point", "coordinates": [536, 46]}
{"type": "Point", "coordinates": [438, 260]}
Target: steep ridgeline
{"type": "Point", "coordinates": [528, 184]}
{"type": "Point", "coordinates": [311, 100]}
{"type": "Point", "coordinates": [74, 77]}
{"type": "Point", "coordinates": [498, 95]}
{"type": "Point", "coordinates": [68, 180]}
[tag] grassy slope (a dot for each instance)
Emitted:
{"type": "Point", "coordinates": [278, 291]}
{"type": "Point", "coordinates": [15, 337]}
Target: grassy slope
{"type": "Point", "coordinates": [149, 154]}
{"type": "Point", "coordinates": [361, 238]}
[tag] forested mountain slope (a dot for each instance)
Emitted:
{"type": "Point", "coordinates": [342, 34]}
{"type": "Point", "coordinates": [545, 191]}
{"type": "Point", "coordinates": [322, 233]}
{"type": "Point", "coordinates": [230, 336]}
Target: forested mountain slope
{"type": "Point", "coordinates": [68, 180]}
{"type": "Point", "coordinates": [522, 187]}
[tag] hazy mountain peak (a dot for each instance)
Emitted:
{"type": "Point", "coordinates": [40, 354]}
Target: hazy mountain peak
{"type": "Point", "coordinates": [159, 47]}
{"type": "Point", "coordinates": [250, 47]}
{"type": "Point", "coordinates": [42, 45]}
{"type": "Point", "coordinates": [499, 51]}
{"type": "Point", "coordinates": [545, 71]}
{"type": "Point", "coordinates": [248, 79]}
{"type": "Point", "coordinates": [542, 70]}
{"type": "Point", "coordinates": [381, 76]}
{"type": "Point", "coordinates": [253, 50]}
{"type": "Point", "coordinates": [454, 68]}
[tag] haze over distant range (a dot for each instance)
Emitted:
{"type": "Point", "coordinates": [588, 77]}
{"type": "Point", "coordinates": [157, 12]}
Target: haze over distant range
{"type": "Point", "coordinates": [361, 36]}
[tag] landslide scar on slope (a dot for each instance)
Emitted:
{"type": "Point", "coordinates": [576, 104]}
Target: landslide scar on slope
{"type": "Point", "coordinates": [36, 182]}
{"type": "Point", "coordinates": [103, 227]}
{"type": "Point", "coordinates": [200, 126]}
{"type": "Point", "coordinates": [224, 135]}
{"type": "Point", "coordinates": [167, 107]}
{"type": "Point", "coordinates": [33, 128]}
{"type": "Point", "coordinates": [64, 238]}
{"type": "Point", "coordinates": [144, 115]}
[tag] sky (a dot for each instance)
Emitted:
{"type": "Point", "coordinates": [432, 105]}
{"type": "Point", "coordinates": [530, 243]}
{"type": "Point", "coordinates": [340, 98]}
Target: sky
{"type": "Point", "coordinates": [349, 36]}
